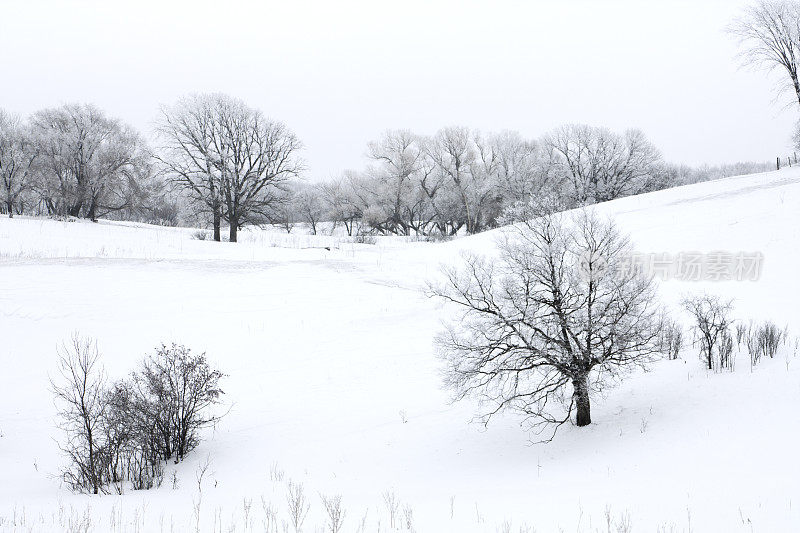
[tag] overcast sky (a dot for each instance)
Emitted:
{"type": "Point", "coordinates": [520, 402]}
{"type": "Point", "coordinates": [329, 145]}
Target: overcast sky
{"type": "Point", "coordinates": [340, 72]}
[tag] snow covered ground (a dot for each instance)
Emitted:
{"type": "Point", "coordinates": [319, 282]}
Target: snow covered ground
{"type": "Point", "coordinates": [333, 382]}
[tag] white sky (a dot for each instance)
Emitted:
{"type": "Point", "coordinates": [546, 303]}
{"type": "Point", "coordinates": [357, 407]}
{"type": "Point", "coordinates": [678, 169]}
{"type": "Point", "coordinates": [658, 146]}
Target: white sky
{"type": "Point", "coordinates": [340, 72]}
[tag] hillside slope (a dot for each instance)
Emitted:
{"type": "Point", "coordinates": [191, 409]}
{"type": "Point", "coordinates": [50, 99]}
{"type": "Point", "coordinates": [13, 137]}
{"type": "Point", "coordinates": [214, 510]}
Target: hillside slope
{"type": "Point", "coordinates": [333, 382]}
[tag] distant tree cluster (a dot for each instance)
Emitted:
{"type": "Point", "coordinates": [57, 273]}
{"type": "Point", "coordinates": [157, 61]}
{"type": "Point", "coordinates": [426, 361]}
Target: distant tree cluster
{"type": "Point", "coordinates": [460, 179]}
{"type": "Point", "coordinates": [218, 162]}
{"type": "Point", "coordinates": [121, 434]}
{"type": "Point", "coordinates": [75, 161]}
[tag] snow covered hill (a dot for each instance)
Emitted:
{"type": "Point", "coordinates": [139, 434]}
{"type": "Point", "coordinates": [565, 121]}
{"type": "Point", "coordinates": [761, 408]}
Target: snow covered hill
{"type": "Point", "coordinates": [333, 382]}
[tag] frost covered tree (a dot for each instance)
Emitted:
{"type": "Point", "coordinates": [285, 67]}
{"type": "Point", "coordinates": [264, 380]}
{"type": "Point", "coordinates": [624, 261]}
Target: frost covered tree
{"type": "Point", "coordinates": [461, 164]}
{"type": "Point", "coordinates": [307, 203]}
{"type": "Point", "coordinates": [462, 179]}
{"type": "Point", "coordinates": [343, 202]}
{"type": "Point", "coordinates": [229, 157]}
{"type": "Point", "coordinates": [397, 157]}
{"type": "Point", "coordinates": [186, 135]}
{"type": "Point", "coordinates": [90, 165]}
{"type": "Point", "coordinates": [520, 171]}
{"type": "Point", "coordinates": [17, 163]}
{"type": "Point", "coordinates": [557, 315]}
{"type": "Point", "coordinates": [769, 32]}
{"type": "Point", "coordinates": [598, 165]}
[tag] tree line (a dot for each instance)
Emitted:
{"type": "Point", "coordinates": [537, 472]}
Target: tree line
{"type": "Point", "coordinates": [216, 161]}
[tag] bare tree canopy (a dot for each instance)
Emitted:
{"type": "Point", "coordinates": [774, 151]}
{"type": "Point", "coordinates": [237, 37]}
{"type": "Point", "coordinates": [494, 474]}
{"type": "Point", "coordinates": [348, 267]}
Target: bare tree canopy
{"type": "Point", "coordinates": [397, 156]}
{"type": "Point", "coordinates": [770, 35]}
{"type": "Point", "coordinates": [457, 159]}
{"type": "Point", "coordinates": [555, 317]}
{"type": "Point", "coordinates": [230, 158]}
{"type": "Point", "coordinates": [123, 433]}
{"type": "Point", "coordinates": [91, 165]}
{"type": "Point", "coordinates": [79, 392]}
{"type": "Point", "coordinates": [460, 179]}
{"type": "Point", "coordinates": [711, 323]}
{"type": "Point", "coordinates": [597, 165]}
{"type": "Point", "coordinates": [17, 162]}
{"type": "Point", "coordinates": [307, 203]}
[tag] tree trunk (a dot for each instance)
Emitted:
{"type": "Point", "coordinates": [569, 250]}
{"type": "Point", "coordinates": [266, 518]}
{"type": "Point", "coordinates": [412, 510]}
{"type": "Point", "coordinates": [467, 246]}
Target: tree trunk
{"type": "Point", "coordinates": [217, 224]}
{"type": "Point", "coordinates": [92, 214]}
{"type": "Point", "coordinates": [234, 230]}
{"type": "Point", "coordinates": [10, 209]}
{"type": "Point", "coordinates": [580, 394]}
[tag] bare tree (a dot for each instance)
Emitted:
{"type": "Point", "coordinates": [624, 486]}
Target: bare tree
{"type": "Point", "coordinates": [671, 339]}
{"type": "Point", "coordinates": [763, 341]}
{"type": "Point", "coordinates": [17, 157]}
{"type": "Point", "coordinates": [124, 433]}
{"type": "Point", "coordinates": [711, 322]}
{"type": "Point", "coordinates": [187, 137]}
{"type": "Point", "coordinates": [342, 203]}
{"type": "Point", "coordinates": [229, 156]}
{"type": "Point", "coordinates": [452, 153]}
{"type": "Point", "coordinates": [397, 155]}
{"type": "Point", "coordinates": [464, 179]}
{"type": "Point", "coordinates": [556, 316]}
{"type": "Point", "coordinates": [298, 505]}
{"type": "Point", "coordinates": [333, 508]}
{"type": "Point", "coordinates": [769, 32]}
{"type": "Point", "coordinates": [521, 172]}
{"type": "Point", "coordinates": [80, 398]}
{"type": "Point", "coordinates": [284, 210]}
{"type": "Point", "coordinates": [134, 447]}
{"type": "Point", "coordinates": [469, 166]}
{"type": "Point", "coordinates": [175, 391]}
{"type": "Point", "coordinates": [598, 165]}
{"type": "Point", "coordinates": [307, 203]}
{"type": "Point", "coordinates": [91, 165]}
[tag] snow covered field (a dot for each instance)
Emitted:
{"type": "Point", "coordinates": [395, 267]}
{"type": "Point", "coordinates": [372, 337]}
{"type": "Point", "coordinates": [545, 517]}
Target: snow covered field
{"type": "Point", "coordinates": [333, 382]}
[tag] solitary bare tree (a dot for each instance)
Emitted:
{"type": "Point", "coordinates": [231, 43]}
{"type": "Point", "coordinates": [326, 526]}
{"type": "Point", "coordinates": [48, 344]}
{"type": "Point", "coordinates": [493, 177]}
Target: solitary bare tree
{"type": "Point", "coordinates": [230, 157]}
{"type": "Point", "coordinates": [557, 315]}
{"type": "Point", "coordinates": [711, 317]}
{"type": "Point", "coordinates": [769, 32]}
{"type": "Point", "coordinates": [80, 397]}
